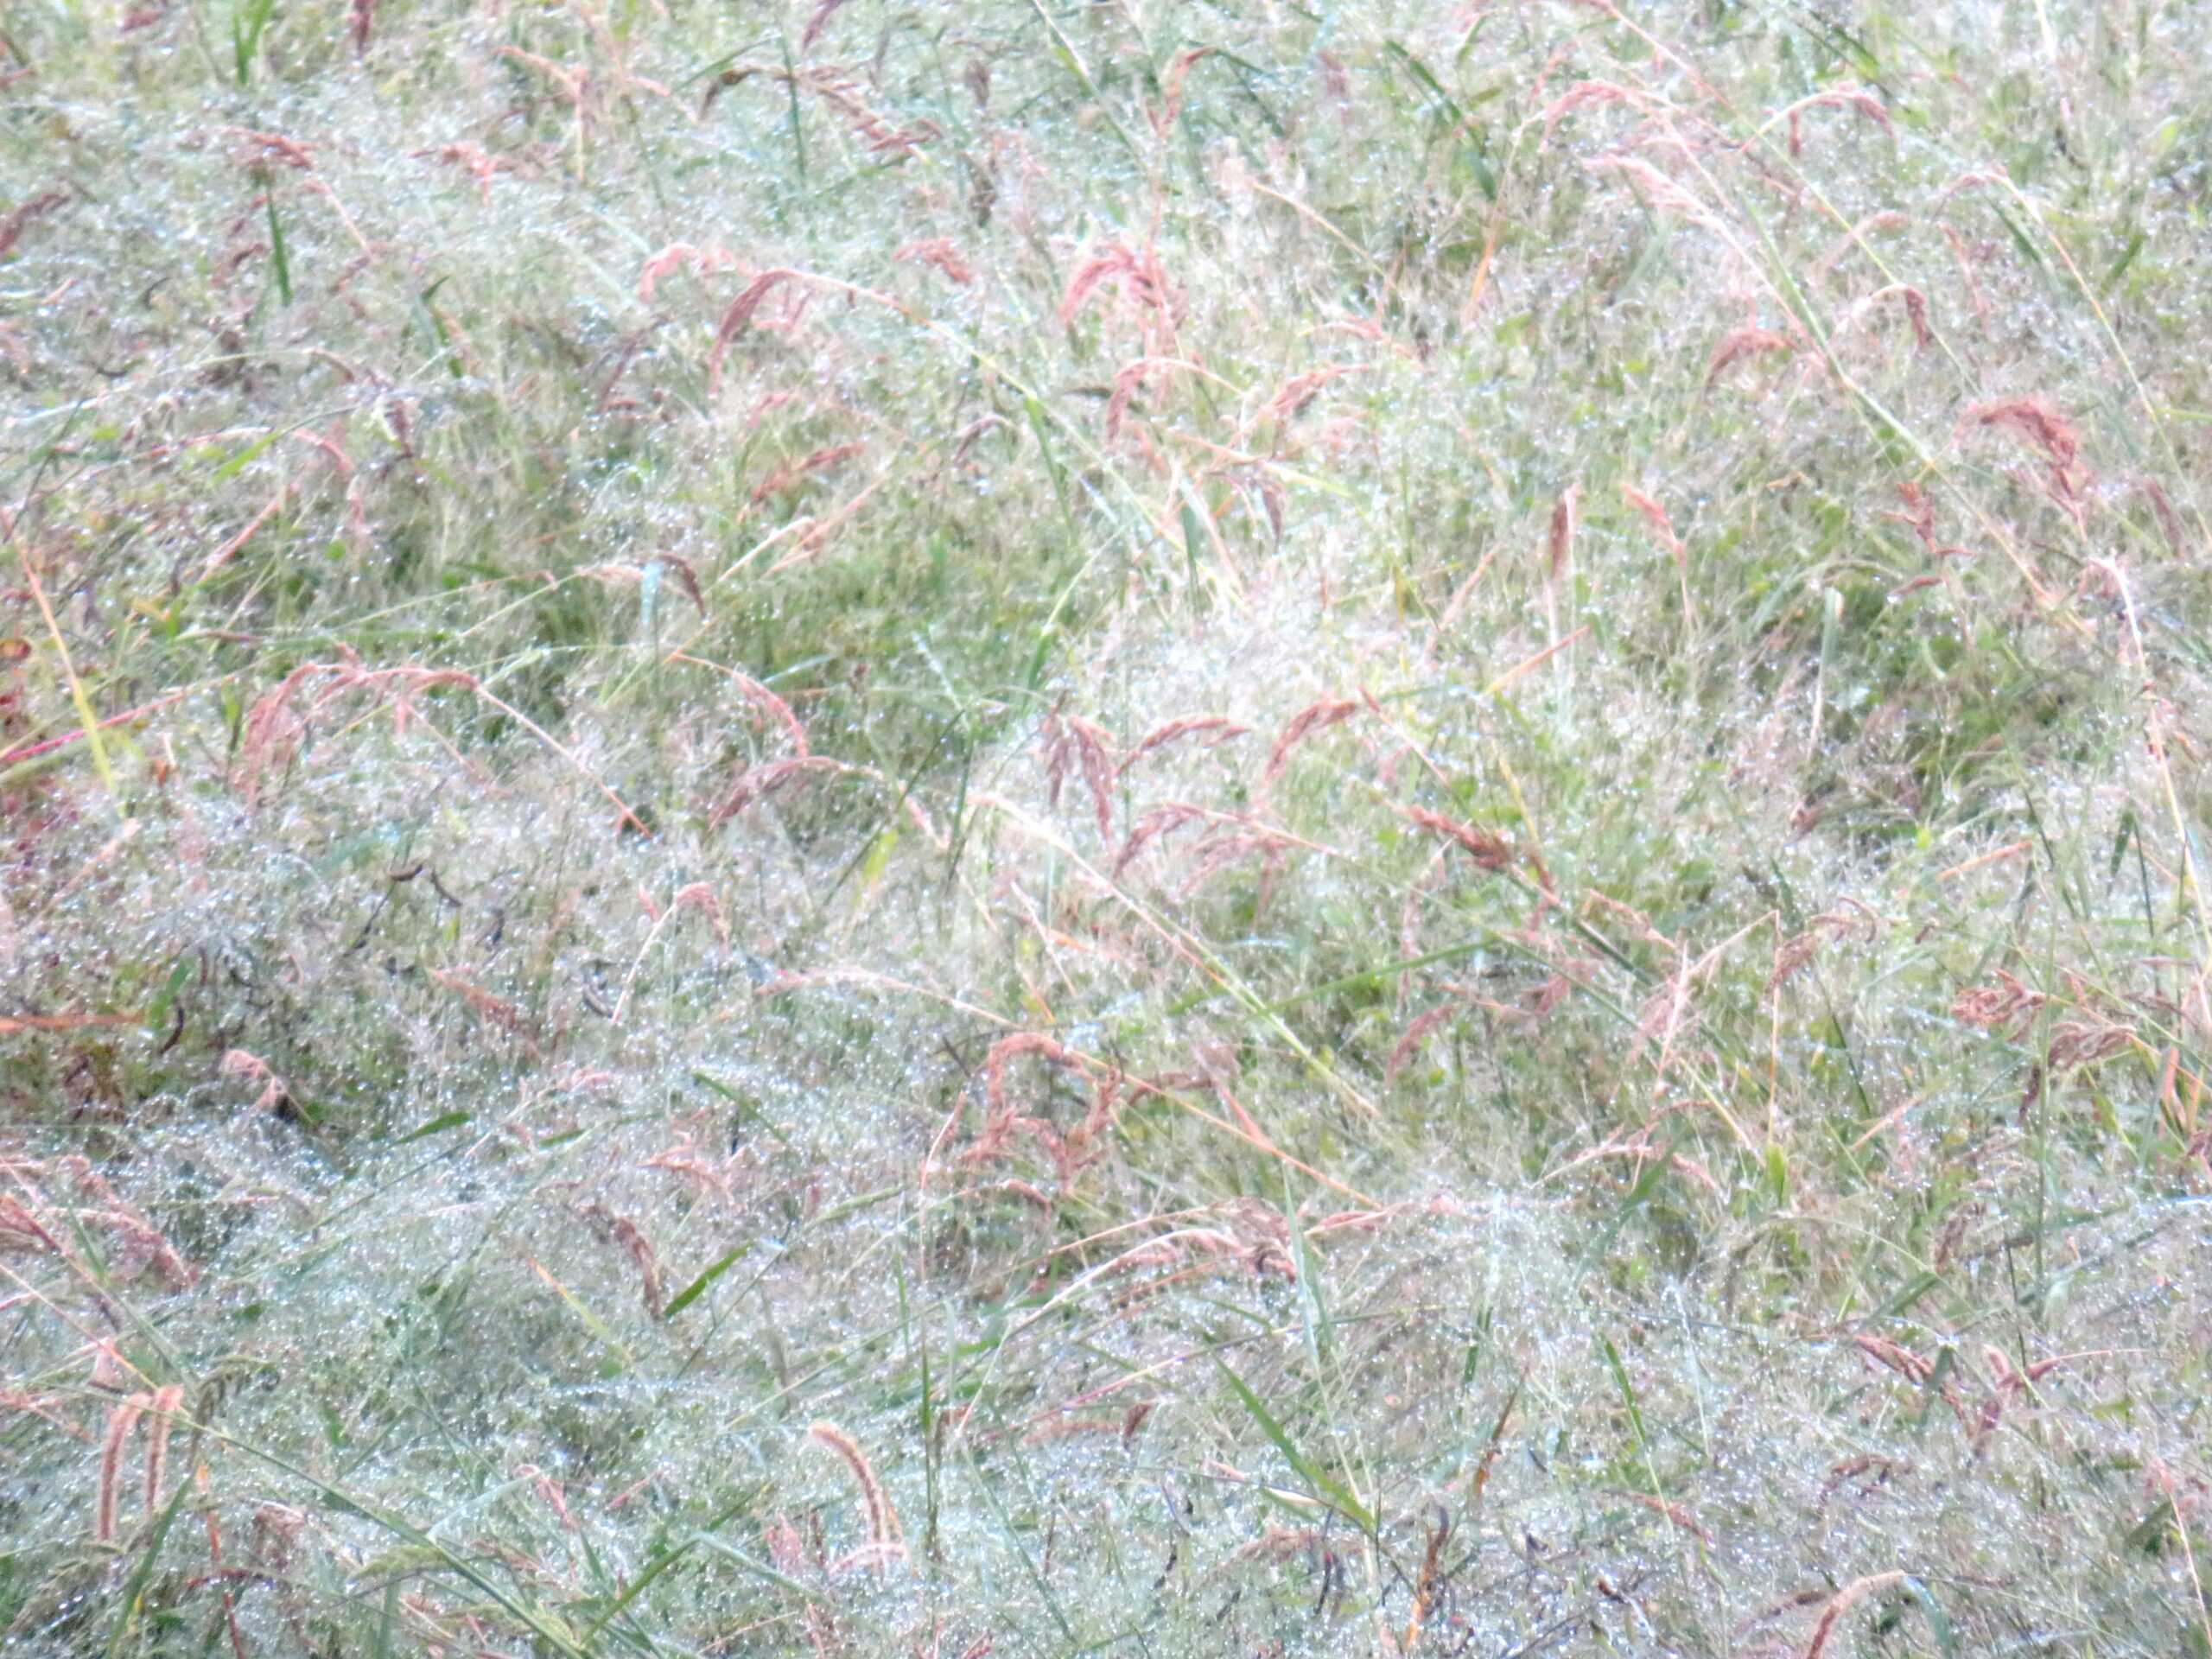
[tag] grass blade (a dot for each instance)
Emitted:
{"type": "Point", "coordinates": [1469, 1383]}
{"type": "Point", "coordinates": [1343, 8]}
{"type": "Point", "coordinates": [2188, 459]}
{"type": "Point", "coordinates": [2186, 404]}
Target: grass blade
{"type": "Point", "coordinates": [697, 1287]}
{"type": "Point", "coordinates": [1334, 1491]}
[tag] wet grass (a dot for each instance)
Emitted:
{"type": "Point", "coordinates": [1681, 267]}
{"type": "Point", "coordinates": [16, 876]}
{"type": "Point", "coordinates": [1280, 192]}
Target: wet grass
{"type": "Point", "coordinates": [1173, 830]}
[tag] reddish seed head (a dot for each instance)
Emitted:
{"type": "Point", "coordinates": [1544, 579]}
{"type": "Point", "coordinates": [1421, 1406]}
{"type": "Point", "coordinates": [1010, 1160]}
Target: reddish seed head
{"type": "Point", "coordinates": [755, 783]}
{"type": "Point", "coordinates": [1560, 543]}
{"type": "Point", "coordinates": [1741, 343]}
{"type": "Point", "coordinates": [882, 1519]}
{"type": "Point", "coordinates": [1488, 851]}
{"type": "Point", "coordinates": [120, 1422]}
{"type": "Point", "coordinates": [941, 253]}
{"type": "Point", "coordinates": [1172, 85]}
{"type": "Point", "coordinates": [1419, 1029]}
{"type": "Point", "coordinates": [816, 23]}
{"type": "Point", "coordinates": [1916, 308]}
{"type": "Point", "coordinates": [1850, 1593]}
{"type": "Point", "coordinates": [784, 477]}
{"type": "Point", "coordinates": [2169, 520]}
{"type": "Point", "coordinates": [1160, 821]}
{"type": "Point", "coordinates": [2037, 423]}
{"type": "Point", "coordinates": [1311, 718]}
{"type": "Point", "coordinates": [1107, 261]}
{"type": "Point", "coordinates": [740, 313]}
{"type": "Point", "coordinates": [1212, 728]}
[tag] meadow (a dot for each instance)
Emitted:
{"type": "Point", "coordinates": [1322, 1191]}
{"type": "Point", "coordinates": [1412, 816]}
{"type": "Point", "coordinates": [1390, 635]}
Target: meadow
{"type": "Point", "coordinates": [999, 826]}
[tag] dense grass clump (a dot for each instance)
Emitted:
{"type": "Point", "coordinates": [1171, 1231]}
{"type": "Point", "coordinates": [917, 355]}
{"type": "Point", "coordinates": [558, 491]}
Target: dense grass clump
{"type": "Point", "coordinates": [1181, 829]}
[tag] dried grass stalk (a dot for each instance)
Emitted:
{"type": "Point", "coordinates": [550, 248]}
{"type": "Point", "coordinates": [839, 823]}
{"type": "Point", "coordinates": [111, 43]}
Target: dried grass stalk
{"type": "Point", "coordinates": [163, 1407]}
{"type": "Point", "coordinates": [884, 1537]}
{"type": "Point", "coordinates": [12, 226]}
{"type": "Point", "coordinates": [120, 1422]}
{"type": "Point", "coordinates": [1858, 1590]}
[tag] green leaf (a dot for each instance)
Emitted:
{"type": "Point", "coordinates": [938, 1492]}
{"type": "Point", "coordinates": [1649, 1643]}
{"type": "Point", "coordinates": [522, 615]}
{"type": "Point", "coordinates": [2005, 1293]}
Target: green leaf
{"type": "Point", "coordinates": [697, 1287]}
{"type": "Point", "coordinates": [1947, 1640]}
{"type": "Point", "coordinates": [1475, 1348]}
{"type": "Point", "coordinates": [387, 1621]}
{"type": "Point", "coordinates": [1194, 537]}
{"type": "Point", "coordinates": [1339, 1496]}
{"type": "Point", "coordinates": [1063, 48]}
{"type": "Point", "coordinates": [658, 1564]}
{"type": "Point", "coordinates": [1628, 1393]}
{"type": "Point", "coordinates": [1035, 413]}
{"type": "Point", "coordinates": [1946, 1359]}
{"type": "Point", "coordinates": [761, 1569]}
{"type": "Point", "coordinates": [134, 1592]}
{"type": "Point", "coordinates": [248, 21]}
{"type": "Point", "coordinates": [746, 1110]}
{"type": "Point", "coordinates": [1641, 1192]}
{"type": "Point", "coordinates": [437, 1125]}
{"type": "Point", "coordinates": [1905, 1297]}
{"type": "Point", "coordinates": [797, 126]}
{"type": "Point", "coordinates": [844, 1207]}
{"type": "Point", "coordinates": [2025, 242]}
{"type": "Point", "coordinates": [1312, 1310]}
{"type": "Point", "coordinates": [1447, 106]}
{"type": "Point", "coordinates": [622, 1358]}
{"type": "Point", "coordinates": [649, 600]}
{"type": "Point", "coordinates": [230, 468]}
{"type": "Point", "coordinates": [276, 249]}
{"type": "Point", "coordinates": [879, 855]}
{"type": "Point", "coordinates": [157, 1011]}
{"type": "Point", "coordinates": [2119, 266]}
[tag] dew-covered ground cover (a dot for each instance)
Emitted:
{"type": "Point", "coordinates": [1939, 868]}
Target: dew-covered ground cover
{"type": "Point", "coordinates": [1132, 828]}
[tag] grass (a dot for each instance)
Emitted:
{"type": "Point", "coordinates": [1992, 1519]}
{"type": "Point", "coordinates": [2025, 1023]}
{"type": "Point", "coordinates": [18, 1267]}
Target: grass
{"type": "Point", "coordinates": [1014, 828]}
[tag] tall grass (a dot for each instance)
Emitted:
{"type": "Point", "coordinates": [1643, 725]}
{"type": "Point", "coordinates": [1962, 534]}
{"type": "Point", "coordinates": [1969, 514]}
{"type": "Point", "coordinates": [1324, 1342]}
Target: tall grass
{"type": "Point", "coordinates": [1005, 827]}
